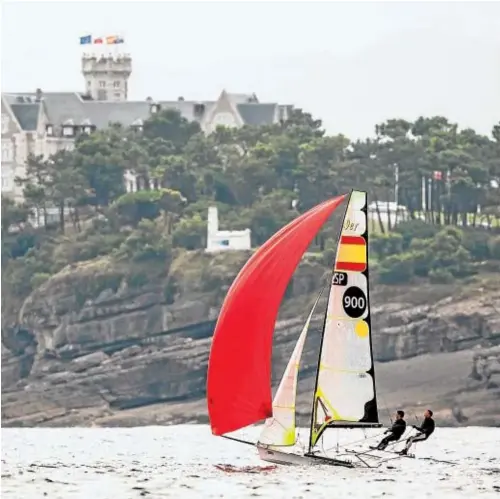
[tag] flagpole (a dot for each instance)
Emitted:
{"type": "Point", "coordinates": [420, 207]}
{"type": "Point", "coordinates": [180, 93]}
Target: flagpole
{"type": "Point", "coordinates": [430, 194]}
{"type": "Point", "coordinates": [396, 184]}
{"type": "Point", "coordinates": [424, 204]}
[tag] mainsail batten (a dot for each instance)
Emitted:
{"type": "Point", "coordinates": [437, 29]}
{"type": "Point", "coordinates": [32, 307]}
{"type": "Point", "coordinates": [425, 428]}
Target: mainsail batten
{"type": "Point", "coordinates": [344, 394]}
{"type": "Point", "coordinates": [239, 370]}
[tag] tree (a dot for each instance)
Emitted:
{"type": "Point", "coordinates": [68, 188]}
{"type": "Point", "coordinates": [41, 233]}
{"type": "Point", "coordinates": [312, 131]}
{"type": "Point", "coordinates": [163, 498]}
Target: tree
{"type": "Point", "coordinates": [14, 215]}
{"type": "Point", "coordinates": [259, 178]}
{"type": "Point", "coordinates": [35, 187]}
{"type": "Point", "coordinates": [66, 186]}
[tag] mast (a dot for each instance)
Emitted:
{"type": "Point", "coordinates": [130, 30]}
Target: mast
{"type": "Point", "coordinates": [344, 388]}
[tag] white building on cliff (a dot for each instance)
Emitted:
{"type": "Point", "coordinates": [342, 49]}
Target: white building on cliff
{"type": "Point", "coordinates": [225, 240]}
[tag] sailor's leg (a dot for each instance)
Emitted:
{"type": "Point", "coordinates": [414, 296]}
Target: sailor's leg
{"type": "Point", "coordinates": [412, 440]}
{"type": "Point", "coordinates": [409, 442]}
{"type": "Point", "coordinates": [383, 444]}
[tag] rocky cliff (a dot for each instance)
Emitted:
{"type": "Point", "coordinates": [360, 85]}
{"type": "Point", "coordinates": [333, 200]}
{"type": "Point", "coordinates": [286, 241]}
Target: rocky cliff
{"type": "Point", "coordinates": [134, 355]}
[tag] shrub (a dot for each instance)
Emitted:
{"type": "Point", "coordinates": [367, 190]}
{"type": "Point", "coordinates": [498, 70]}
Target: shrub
{"type": "Point", "coordinates": [396, 269]}
{"type": "Point", "coordinates": [477, 243]}
{"type": "Point", "coordinates": [190, 233]}
{"type": "Point", "coordinates": [441, 276]}
{"type": "Point", "coordinates": [135, 206]}
{"type": "Point", "coordinates": [38, 279]}
{"type": "Point", "coordinates": [416, 229]}
{"type": "Point", "coordinates": [494, 247]}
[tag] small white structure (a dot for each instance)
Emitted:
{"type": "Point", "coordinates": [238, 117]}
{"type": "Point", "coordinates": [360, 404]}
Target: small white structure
{"type": "Point", "coordinates": [225, 240]}
{"type": "Point", "coordinates": [388, 209]}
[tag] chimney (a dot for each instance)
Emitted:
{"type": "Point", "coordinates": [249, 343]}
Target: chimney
{"type": "Point", "coordinates": [38, 95]}
{"type": "Point", "coordinates": [199, 110]}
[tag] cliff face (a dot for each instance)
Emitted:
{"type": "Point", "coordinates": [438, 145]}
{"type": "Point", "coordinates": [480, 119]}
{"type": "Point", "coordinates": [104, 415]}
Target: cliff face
{"type": "Point", "coordinates": [131, 356]}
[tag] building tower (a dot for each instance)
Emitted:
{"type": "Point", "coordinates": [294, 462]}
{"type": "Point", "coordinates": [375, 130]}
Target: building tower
{"type": "Point", "coordinates": [106, 76]}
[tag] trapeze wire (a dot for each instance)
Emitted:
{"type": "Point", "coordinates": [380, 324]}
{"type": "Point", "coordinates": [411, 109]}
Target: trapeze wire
{"type": "Point", "coordinates": [344, 446]}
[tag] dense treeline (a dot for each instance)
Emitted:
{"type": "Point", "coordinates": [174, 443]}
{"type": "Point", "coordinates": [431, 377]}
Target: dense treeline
{"type": "Point", "coordinates": [446, 179]}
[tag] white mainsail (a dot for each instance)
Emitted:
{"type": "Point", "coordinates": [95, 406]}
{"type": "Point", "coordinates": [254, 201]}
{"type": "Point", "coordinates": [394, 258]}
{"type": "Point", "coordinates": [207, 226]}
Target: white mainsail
{"type": "Point", "coordinates": [279, 430]}
{"type": "Point", "coordinates": [345, 382]}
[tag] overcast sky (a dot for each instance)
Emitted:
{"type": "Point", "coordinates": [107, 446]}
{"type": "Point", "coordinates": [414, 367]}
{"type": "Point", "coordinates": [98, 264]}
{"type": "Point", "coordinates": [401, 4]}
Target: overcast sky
{"type": "Point", "coordinates": [352, 64]}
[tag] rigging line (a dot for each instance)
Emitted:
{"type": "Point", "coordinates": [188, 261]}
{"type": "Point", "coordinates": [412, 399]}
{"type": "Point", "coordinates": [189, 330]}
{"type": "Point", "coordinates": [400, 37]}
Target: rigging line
{"type": "Point", "coordinates": [386, 408]}
{"type": "Point", "coordinates": [344, 446]}
{"type": "Point", "coordinates": [392, 444]}
{"type": "Point", "coordinates": [414, 414]}
{"type": "Point", "coordinates": [405, 435]}
{"type": "Point", "coordinates": [240, 440]}
{"type": "Point", "coordinates": [299, 443]}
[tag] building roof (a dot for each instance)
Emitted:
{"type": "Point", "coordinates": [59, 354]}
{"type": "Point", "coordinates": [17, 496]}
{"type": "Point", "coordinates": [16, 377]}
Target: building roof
{"type": "Point", "coordinates": [27, 115]}
{"type": "Point", "coordinates": [63, 106]}
{"type": "Point", "coordinates": [257, 114]}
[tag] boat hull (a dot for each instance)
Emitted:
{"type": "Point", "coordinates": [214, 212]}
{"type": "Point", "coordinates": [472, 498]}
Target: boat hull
{"type": "Point", "coordinates": [272, 455]}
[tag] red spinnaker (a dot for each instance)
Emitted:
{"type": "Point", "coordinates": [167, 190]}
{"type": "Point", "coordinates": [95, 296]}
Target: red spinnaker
{"type": "Point", "coordinates": [239, 368]}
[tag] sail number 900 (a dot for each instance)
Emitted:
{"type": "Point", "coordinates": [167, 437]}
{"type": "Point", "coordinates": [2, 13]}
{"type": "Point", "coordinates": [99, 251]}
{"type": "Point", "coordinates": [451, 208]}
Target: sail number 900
{"type": "Point", "coordinates": [354, 302]}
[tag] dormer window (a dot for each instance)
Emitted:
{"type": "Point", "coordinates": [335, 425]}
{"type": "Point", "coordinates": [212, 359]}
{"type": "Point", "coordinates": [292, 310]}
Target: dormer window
{"type": "Point", "coordinates": [68, 130]}
{"type": "Point", "coordinates": [87, 126]}
{"type": "Point", "coordinates": [154, 108]}
{"type": "Point", "coordinates": [49, 129]}
{"type": "Point", "coordinates": [137, 125]}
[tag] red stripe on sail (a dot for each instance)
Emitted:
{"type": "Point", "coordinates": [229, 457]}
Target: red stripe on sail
{"type": "Point", "coordinates": [351, 266]}
{"type": "Point", "coordinates": [352, 240]}
{"type": "Point", "coordinates": [239, 367]}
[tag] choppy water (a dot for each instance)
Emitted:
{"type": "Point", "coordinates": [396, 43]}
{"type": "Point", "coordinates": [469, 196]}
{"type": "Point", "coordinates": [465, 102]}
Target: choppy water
{"type": "Point", "coordinates": [178, 461]}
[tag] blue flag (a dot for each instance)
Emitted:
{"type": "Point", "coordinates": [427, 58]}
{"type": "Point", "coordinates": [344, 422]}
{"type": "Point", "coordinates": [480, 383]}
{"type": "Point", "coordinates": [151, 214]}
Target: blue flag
{"type": "Point", "coordinates": [84, 40]}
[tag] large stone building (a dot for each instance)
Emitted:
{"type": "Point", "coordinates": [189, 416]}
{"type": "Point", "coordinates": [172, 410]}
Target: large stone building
{"type": "Point", "coordinates": [42, 123]}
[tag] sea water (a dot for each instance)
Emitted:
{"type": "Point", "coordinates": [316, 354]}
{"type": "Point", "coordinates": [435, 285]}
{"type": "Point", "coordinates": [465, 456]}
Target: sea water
{"type": "Point", "coordinates": [179, 462]}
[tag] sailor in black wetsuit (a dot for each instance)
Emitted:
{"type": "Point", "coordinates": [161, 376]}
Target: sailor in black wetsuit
{"type": "Point", "coordinates": [395, 432]}
{"type": "Point", "coordinates": [425, 431]}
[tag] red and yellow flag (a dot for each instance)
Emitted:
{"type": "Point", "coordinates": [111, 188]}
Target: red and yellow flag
{"type": "Point", "coordinates": [352, 254]}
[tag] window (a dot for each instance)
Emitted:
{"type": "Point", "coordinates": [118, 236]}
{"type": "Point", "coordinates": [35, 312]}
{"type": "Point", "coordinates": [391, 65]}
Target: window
{"type": "Point", "coordinates": [116, 84]}
{"type": "Point", "coordinates": [117, 95]}
{"type": "Point", "coordinates": [68, 131]}
{"type": "Point", "coordinates": [5, 123]}
{"type": "Point", "coordinates": [102, 95]}
{"type": "Point", "coordinates": [7, 151]}
{"type": "Point", "coordinates": [6, 184]}
{"type": "Point", "coordinates": [102, 84]}
{"type": "Point", "coordinates": [7, 179]}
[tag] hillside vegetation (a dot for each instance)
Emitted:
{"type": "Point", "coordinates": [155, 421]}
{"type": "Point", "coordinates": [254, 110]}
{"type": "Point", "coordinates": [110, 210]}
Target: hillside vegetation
{"type": "Point", "coordinates": [259, 178]}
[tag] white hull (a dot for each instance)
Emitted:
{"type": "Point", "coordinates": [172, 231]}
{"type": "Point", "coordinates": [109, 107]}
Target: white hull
{"type": "Point", "coordinates": [279, 457]}
{"type": "Point", "coordinates": [272, 455]}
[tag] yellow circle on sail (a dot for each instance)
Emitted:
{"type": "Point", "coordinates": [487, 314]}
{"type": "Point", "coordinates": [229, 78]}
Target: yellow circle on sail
{"type": "Point", "coordinates": [361, 329]}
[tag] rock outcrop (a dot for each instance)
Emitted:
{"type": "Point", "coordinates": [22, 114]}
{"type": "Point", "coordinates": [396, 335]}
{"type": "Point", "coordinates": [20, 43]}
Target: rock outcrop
{"type": "Point", "coordinates": [131, 357]}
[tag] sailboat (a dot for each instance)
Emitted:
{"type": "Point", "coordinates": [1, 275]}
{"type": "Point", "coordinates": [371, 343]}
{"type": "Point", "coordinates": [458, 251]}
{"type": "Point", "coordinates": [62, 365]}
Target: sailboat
{"type": "Point", "coordinates": [239, 388]}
